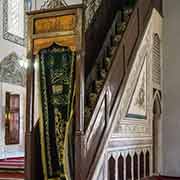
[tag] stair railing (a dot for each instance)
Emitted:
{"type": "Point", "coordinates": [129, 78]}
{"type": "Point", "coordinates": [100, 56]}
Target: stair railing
{"type": "Point", "coordinates": [103, 117]}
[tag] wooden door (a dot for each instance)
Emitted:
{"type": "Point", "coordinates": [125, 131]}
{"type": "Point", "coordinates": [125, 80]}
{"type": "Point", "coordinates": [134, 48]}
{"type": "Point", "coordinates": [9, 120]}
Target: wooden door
{"type": "Point", "coordinates": [12, 119]}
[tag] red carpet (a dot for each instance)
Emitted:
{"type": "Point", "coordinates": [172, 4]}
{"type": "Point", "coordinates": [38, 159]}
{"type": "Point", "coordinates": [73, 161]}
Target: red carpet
{"type": "Point", "coordinates": [11, 176]}
{"type": "Point", "coordinates": [12, 163]}
{"type": "Point", "coordinates": [12, 169]}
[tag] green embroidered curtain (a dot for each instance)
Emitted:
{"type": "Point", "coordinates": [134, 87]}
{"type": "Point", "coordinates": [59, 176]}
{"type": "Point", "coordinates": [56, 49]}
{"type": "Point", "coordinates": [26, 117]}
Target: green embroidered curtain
{"type": "Point", "coordinates": [56, 85]}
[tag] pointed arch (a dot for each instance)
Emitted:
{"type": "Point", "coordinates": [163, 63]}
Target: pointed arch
{"type": "Point", "coordinates": [147, 163]}
{"type": "Point", "coordinates": [111, 168]}
{"type": "Point", "coordinates": [128, 167]}
{"type": "Point", "coordinates": [135, 165]}
{"type": "Point", "coordinates": [121, 167]}
{"type": "Point", "coordinates": [141, 164]}
{"type": "Point", "coordinates": [156, 129]}
{"type": "Point", "coordinates": [157, 102]}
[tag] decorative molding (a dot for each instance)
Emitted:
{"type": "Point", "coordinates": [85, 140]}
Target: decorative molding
{"type": "Point", "coordinates": [50, 4]}
{"type": "Point", "coordinates": [6, 34]}
{"type": "Point", "coordinates": [156, 64]}
{"type": "Point", "coordinates": [130, 127]}
{"type": "Point", "coordinates": [92, 7]}
{"type": "Point", "coordinates": [11, 71]}
{"type": "Point", "coordinates": [130, 130]}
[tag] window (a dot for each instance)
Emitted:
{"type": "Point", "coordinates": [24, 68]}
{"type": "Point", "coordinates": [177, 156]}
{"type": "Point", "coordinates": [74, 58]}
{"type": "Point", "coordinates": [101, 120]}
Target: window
{"type": "Point", "coordinates": [13, 21]}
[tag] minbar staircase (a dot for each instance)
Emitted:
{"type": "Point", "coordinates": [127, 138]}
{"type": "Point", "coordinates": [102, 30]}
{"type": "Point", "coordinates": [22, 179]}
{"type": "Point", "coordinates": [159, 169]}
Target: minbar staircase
{"type": "Point", "coordinates": [111, 41]}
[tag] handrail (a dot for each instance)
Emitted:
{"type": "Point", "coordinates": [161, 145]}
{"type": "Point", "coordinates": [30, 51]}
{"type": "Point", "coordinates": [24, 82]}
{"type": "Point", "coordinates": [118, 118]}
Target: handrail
{"type": "Point", "coordinates": [102, 119]}
{"type": "Point", "coordinates": [90, 76]}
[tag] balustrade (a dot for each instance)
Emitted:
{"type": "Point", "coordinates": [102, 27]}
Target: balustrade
{"type": "Point", "coordinates": [129, 163]}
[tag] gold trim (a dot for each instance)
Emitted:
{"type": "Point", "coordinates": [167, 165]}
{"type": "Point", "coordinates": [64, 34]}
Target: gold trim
{"type": "Point", "coordinates": [53, 34]}
{"type": "Point", "coordinates": [41, 127]}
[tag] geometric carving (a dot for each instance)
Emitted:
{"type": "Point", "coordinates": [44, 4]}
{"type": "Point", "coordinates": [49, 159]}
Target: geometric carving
{"type": "Point", "coordinates": [50, 4]}
{"type": "Point", "coordinates": [92, 7]}
{"type": "Point", "coordinates": [138, 125]}
{"type": "Point", "coordinates": [13, 21]}
{"type": "Point", "coordinates": [156, 62]}
{"type": "Point", "coordinates": [11, 71]}
{"type": "Point", "coordinates": [137, 106]}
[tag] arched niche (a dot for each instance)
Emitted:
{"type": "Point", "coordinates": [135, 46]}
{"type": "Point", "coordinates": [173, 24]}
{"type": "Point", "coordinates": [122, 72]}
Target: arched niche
{"type": "Point", "coordinates": [141, 164]}
{"type": "Point", "coordinates": [135, 164]}
{"type": "Point", "coordinates": [156, 129]}
{"type": "Point", "coordinates": [147, 163]}
{"type": "Point", "coordinates": [111, 168]}
{"type": "Point", "coordinates": [121, 167]}
{"type": "Point", "coordinates": [128, 167]}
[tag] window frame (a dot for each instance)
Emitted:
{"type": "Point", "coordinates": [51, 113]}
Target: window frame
{"type": "Point", "coordinates": [6, 34]}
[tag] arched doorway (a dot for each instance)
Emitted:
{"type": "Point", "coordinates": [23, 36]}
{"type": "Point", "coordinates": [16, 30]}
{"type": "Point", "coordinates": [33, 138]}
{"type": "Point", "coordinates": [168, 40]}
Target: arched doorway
{"type": "Point", "coordinates": [156, 130]}
{"type": "Point", "coordinates": [12, 116]}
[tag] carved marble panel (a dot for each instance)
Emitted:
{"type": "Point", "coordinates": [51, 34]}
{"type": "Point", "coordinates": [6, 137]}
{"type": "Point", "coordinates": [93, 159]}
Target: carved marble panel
{"type": "Point", "coordinates": [139, 80]}
{"type": "Point", "coordinates": [13, 21]}
{"type": "Point", "coordinates": [137, 106]}
{"type": "Point", "coordinates": [11, 71]}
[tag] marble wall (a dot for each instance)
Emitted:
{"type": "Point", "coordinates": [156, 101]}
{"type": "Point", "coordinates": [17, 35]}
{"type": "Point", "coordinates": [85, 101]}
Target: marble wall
{"type": "Point", "coordinates": [171, 89]}
{"type": "Point", "coordinates": [8, 47]}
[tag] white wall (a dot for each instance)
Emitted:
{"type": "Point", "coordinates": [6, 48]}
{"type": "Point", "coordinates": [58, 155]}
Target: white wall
{"type": "Point", "coordinates": [171, 94]}
{"type": "Point", "coordinates": [14, 89]}
{"type": "Point", "coordinates": [7, 47]}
